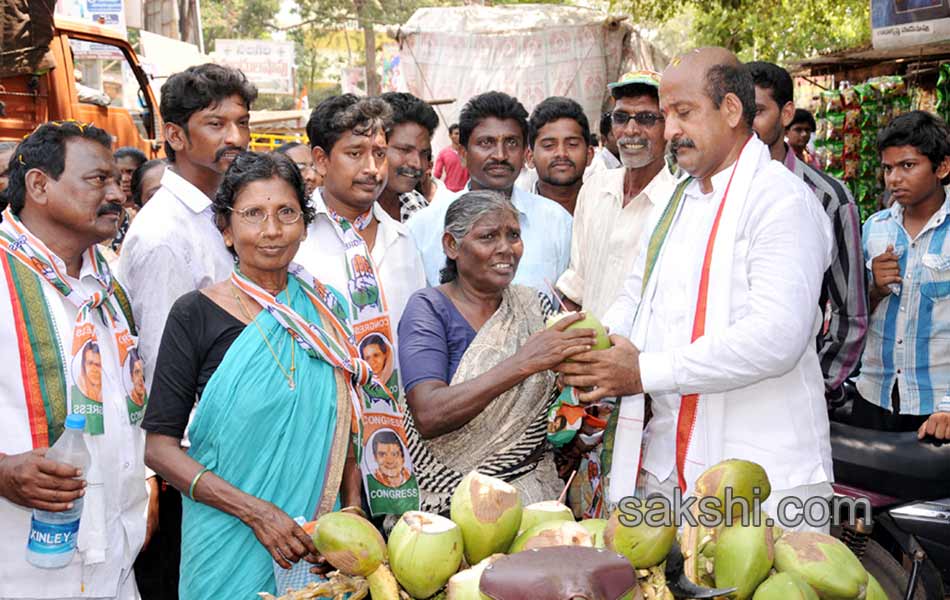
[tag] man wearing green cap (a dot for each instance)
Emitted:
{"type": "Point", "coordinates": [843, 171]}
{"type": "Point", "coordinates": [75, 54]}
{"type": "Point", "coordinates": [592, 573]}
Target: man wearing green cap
{"type": "Point", "coordinates": [614, 204]}
{"type": "Point", "coordinates": [611, 215]}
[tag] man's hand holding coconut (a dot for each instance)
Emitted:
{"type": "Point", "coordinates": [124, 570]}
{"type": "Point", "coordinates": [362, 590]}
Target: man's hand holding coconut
{"type": "Point", "coordinates": [607, 373]}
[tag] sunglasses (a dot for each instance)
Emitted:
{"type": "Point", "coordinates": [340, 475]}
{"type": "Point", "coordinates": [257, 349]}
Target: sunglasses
{"type": "Point", "coordinates": [644, 119]}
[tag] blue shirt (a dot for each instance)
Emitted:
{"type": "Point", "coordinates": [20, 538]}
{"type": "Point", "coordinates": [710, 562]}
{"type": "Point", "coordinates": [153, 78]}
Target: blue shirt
{"type": "Point", "coordinates": [908, 339]}
{"type": "Point", "coordinates": [545, 233]}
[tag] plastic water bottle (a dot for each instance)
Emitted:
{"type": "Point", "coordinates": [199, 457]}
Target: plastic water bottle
{"type": "Point", "coordinates": [53, 535]}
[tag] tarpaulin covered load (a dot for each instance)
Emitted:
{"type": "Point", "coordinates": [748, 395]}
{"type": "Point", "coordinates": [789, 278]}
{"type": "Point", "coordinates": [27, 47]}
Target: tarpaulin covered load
{"type": "Point", "coordinates": [528, 51]}
{"type": "Point", "coordinates": [26, 29]}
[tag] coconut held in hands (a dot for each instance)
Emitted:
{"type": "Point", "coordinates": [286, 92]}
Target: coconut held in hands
{"type": "Point", "coordinates": [349, 542]}
{"type": "Point", "coordinates": [588, 322]}
{"type": "Point", "coordinates": [488, 511]}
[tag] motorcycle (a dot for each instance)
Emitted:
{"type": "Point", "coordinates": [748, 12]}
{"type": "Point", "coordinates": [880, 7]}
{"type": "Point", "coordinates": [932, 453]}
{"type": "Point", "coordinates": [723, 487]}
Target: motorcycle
{"type": "Point", "coordinates": [892, 495]}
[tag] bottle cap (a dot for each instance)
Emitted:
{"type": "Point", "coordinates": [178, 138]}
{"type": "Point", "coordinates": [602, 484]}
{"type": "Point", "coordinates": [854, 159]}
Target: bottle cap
{"type": "Point", "coordinates": [76, 422]}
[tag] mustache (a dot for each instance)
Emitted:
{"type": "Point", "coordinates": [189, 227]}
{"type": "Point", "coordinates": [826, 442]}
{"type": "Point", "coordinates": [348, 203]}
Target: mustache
{"type": "Point", "coordinates": [409, 172]}
{"type": "Point", "coordinates": [677, 144]}
{"type": "Point", "coordinates": [367, 181]}
{"type": "Point", "coordinates": [563, 161]}
{"type": "Point", "coordinates": [220, 153]}
{"type": "Point", "coordinates": [643, 141]}
{"type": "Point", "coordinates": [110, 208]}
{"type": "Point", "coordinates": [505, 164]}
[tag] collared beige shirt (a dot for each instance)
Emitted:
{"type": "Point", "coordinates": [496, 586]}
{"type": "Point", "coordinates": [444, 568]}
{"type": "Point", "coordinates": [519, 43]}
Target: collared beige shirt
{"type": "Point", "coordinates": [606, 237]}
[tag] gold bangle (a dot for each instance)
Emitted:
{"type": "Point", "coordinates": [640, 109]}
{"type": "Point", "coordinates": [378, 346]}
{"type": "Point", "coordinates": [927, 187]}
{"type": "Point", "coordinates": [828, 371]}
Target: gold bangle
{"type": "Point", "coordinates": [356, 510]}
{"type": "Point", "coordinates": [194, 482]}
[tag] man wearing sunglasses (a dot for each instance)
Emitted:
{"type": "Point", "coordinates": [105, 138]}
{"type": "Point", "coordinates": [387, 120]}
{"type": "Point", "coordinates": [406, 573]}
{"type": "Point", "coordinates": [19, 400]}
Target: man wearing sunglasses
{"type": "Point", "coordinates": [614, 204]}
{"type": "Point", "coordinates": [610, 217]}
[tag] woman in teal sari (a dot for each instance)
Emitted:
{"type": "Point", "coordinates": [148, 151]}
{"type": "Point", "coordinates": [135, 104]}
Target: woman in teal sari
{"type": "Point", "coordinates": [270, 410]}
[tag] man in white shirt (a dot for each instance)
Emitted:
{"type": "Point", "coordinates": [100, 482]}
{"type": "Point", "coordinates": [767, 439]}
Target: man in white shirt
{"type": "Point", "coordinates": [614, 205]}
{"type": "Point", "coordinates": [173, 246]}
{"type": "Point", "coordinates": [559, 150]}
{"type": "Point", "coordinates": [612, 211]}
{"type": "Point", "coordinates": [348, 137]}
{"type": "Point", "coordinates": [493, 130]}
{"type": "Point", "coordinates": [726, 317]}
{"type": "Point", "coordinates": [59, 300]}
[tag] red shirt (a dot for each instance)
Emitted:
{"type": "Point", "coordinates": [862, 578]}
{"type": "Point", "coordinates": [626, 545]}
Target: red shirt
{"type": "Point", "coordinates": [456, 176]}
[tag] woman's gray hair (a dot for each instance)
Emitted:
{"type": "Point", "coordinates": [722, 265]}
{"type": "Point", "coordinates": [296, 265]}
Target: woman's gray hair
{"type": "Point", "coordinates": [462, 216]}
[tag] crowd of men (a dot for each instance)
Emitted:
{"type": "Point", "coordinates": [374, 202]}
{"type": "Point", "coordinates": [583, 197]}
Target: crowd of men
{"type": "Point", "coordinates": [740, 288]}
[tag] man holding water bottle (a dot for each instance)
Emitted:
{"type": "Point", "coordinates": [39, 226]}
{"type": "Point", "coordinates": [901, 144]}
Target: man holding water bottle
{"type": "Point", "coordinates": [905, 372]}
{"type": "Point", "coordinates": [66, 343]}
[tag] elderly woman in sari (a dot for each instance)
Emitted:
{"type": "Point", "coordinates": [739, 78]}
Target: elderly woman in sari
{"type": "Point", "coordinates": [269, 438]}
{"type": "Point", "coordinates": [476, 357]}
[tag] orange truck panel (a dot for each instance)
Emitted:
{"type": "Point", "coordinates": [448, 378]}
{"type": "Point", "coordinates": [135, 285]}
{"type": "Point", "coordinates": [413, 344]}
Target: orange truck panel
{"type": "Point", "coordinates": [30, 100]}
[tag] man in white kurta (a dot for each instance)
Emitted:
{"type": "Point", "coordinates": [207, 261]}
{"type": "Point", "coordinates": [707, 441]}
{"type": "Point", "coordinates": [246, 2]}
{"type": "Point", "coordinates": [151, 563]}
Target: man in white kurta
{"type": "Point", "coordinates": [744, 346]}
{"type": "Point", "coordinates": [59, 219]}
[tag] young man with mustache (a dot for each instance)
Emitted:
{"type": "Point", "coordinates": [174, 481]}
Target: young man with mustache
{"type": "Point", "coordinates": [65, 349]}
{"type": "Point", "coordinates": [348, 136]}
{"type": "Point", "coordinates": [843, 292]}
{"type": "Point", "coordinates": [173, 246]}
{"type": "Point", "coordinates": [717, 319]}
{"type": "Point", "coordinates": [559, 149]}
{"type": "Point", "coordinates": [409, 154]}
{"type": "Point", "coordinates": [176, 248]}
{"type": "Point", "coordinates": [614, 204]}
{"type": "Point", "coordinates": [493, 132]}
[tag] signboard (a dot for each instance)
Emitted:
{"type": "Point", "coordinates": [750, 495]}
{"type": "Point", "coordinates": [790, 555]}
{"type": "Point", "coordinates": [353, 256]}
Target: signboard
{"type": "Point", "coordinates": [110, 13]}
{"type": "Point", "coordinates": [901, 23]}
{"type": "Point", "coordinates": [268, 65]}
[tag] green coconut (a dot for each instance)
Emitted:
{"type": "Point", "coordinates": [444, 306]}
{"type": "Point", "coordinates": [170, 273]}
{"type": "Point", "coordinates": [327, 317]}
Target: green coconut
{"type": "Point", "coordinates": [826, 564]}
{"type": "Point", "coordinates": [596, 528]}
{"type": "Point", "coordinates": [742, 478]}
{"type": "Point", "coordinates": [645, 542]}
{"type": "Point", "coordinates": [875, 591]}
{"type": "Point", "coordinates": [743, 557]}
{"type": "Point", "coordinates": [601, 340]}
{"type": "Point", "coordinates": [552, 533]}
{"type": "Point", "coordinates": [784, 586]}
{"type": "Point", "coordinates": [542, 512]}
{"type": "Point", "coordinates": [425, 550]}
{"type": "Point", "coordinates": [382, 584]}
{"type": "Point", "coordinates": [488, 511]}
{"type": "Point", "coordinates": [464, 584]}
{"type": "Point", "coordinates": [349, 542]}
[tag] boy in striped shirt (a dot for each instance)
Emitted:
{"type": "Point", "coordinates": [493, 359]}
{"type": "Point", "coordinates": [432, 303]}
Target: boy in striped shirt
{"type": "Point", "coordinates": [905, 373]}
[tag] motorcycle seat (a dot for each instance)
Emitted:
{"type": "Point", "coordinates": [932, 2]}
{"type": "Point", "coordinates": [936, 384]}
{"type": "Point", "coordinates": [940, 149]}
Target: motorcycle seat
{"type": "Point", "coordinates": [560, 573]}
{"type": "Point", "coordinates": [896, 464]}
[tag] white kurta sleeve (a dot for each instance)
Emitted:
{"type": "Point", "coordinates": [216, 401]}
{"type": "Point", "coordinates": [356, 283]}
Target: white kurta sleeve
{"type": "Point", "coordinates": [789, 250]}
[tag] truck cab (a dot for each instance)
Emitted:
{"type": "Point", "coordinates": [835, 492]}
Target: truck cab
{"type": "Point", "coordinates": [95, 77]}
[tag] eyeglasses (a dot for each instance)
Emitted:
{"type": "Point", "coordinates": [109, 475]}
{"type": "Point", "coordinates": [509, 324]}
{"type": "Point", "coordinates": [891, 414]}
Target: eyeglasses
{"type": "Point", "coordinates": [255, 215]}
{"type": "Point", "coordinates": [644, 119]}
{"type": "Point", "coordinates": [305, 166]}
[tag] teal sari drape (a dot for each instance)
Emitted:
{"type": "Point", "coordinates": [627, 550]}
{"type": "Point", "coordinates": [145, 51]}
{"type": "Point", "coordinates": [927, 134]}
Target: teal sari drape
{"type": "Point", "coordinates": [274, 443]}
